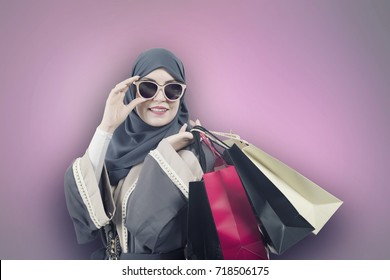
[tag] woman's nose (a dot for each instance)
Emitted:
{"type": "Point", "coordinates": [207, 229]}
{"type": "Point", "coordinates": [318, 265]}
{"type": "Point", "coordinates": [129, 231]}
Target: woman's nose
{"type": "Point", "coordinates": [160, 95]}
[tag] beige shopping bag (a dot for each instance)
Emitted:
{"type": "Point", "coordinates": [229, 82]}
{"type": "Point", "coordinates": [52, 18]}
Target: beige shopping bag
{"type": "Point", "coordinates": [315, 204]}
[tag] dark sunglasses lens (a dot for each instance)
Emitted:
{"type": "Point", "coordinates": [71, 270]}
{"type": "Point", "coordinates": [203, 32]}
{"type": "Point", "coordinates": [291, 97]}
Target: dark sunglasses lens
{"type": "Point", "coordinates": [147, 89]}
{"type": "Point", "coordinates": [173, 91]}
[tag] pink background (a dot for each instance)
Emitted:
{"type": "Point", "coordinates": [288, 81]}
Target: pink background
{"type": "Point", "coordinates": [307, 81]}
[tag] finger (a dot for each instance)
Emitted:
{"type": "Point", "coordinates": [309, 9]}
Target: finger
{"type": "Point", "coordinates": [119, 88]}
{"type": "Point", "coordinates": [187, 136]}
{"type": "Point", "coordinates": [197, 122]}
{"type": "Point", "coordinates": [183, 128]}
{"type": "Point", "coordinates": [123, 86]}
{"type": "Point", "coordinates": [135, 102]}
{"type": "Point", "coordinates": [130, 80]}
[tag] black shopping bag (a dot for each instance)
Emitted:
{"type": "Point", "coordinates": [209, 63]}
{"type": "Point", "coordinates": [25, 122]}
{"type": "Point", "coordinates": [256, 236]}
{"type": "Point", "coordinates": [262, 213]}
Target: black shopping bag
{"type": "Point", "coordinates": [279, 221]}
{"type": "Point", "coordinates": [202, 237]}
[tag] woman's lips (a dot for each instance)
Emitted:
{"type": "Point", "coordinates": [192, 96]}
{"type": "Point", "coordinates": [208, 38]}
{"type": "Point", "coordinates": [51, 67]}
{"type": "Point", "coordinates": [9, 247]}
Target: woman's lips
{"type": "Point", "coordinates": [159, 110]}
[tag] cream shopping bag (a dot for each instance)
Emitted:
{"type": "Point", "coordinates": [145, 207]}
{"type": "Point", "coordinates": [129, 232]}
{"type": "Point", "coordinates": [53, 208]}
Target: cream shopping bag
{"type": "Point", "coordinates": [315, 204]}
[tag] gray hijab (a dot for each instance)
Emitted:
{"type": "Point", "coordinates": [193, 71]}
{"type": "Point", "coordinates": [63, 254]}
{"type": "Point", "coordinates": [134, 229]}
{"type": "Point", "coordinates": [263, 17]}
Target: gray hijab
{"type": "Point", "coordinates": [133, 139]}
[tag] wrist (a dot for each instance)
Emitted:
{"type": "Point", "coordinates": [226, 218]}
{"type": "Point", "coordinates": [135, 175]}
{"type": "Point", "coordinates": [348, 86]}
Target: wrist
{"type": "Point", "coordinates": [106, 128]}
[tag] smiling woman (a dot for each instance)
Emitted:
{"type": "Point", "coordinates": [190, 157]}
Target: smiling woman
{"type": "Point", "coordinates": [131, 185]}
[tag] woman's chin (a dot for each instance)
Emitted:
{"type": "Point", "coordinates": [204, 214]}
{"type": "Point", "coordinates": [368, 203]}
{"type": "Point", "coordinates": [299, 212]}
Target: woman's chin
{"type": "Point", "coordinates": [158, 122]}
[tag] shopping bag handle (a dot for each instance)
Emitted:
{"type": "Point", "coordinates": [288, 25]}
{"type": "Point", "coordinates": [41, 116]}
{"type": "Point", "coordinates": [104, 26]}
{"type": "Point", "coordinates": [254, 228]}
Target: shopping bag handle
{"type": "Point", "coordinates": [213, 138]}
{"type": "Point", "coordinates": [201, 134]}
{"type": "Point", "coordinates": [230, 135]}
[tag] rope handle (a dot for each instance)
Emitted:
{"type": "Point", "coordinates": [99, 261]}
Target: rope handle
{"type": "Point", "coordinates": [212, 136]}
{"type": "Point", "coordinates": [230, 135]}
{"type": "Point", "coordinates": [201, 130]}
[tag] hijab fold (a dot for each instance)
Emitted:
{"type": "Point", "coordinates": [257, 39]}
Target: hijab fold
{"type": "Point", "coordinates": [134, 138]}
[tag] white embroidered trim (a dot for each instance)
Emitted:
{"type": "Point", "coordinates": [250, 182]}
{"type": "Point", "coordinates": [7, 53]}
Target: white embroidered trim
{"type": "Point", "coordinates": [170, 172]}
{"type": "Point", "coordinates": [83, 192]}
{"type": "Point", "coordinates": [124, 207]}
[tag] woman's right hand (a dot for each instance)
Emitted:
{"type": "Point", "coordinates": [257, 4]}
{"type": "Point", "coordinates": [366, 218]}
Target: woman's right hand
{"type": "Point", "coordinates": [116, 110]}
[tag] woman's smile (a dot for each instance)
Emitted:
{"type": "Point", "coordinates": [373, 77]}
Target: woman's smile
{"type": "Point", "coordinates": [159, 110]}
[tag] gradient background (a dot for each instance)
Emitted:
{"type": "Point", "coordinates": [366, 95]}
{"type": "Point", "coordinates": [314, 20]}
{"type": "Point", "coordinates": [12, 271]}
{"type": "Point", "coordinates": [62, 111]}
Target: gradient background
{"type": "Point", "coordinates": [307, 81]}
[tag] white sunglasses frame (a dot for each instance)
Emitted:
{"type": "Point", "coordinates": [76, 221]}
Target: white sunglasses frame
{"type": "Point", "coordinates": [160, 87]}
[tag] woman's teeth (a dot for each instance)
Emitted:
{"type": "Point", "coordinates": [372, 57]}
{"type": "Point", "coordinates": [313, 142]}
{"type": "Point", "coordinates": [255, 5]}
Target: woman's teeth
{"type": "Point", "coordinates": [158, 109]}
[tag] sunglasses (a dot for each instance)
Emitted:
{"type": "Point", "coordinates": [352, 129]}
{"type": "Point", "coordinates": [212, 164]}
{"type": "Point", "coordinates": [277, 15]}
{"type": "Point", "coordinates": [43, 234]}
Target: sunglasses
{"type": "Point", "coordinates": [149, 89]}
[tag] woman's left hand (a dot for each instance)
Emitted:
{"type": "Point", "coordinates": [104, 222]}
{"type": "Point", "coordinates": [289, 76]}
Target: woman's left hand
{"type": "Point", "coordinates": [180, 140]}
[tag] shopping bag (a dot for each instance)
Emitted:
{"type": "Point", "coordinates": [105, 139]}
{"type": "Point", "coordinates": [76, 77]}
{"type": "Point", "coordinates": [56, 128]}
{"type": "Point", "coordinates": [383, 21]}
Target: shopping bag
{"type": "Point", "coordinates": [314, 203]}
{"type": "Point", "coordinates": [221, 223]}
{"type": "Point", "coordinates": [280, 223]}
{"type": "Point", "coordinates": [202, 237]}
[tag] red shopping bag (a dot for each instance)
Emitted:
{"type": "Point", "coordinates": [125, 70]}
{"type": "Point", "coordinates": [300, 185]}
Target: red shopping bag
{"type": "Point", "coordinates": [221, 223]}
{"type": "Point", "coordinates": [234, 219]}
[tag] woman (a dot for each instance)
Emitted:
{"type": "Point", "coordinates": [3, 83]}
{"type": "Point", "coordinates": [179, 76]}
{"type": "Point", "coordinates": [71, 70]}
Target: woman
{"type": "Point", "coordinates": [131, 185]}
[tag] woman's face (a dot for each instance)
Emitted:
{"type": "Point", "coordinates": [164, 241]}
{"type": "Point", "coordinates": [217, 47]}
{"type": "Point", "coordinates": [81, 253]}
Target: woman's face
{"type": "Point", "coordinates": [158, 111]}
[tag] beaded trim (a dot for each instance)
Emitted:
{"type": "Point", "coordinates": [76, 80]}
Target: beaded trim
{"type": "Point", "coordinates": [124, 206]}
{"type": "Point", "coordinates": [83, 192]}
{"type": "Point", "coordinates": [170, 172]}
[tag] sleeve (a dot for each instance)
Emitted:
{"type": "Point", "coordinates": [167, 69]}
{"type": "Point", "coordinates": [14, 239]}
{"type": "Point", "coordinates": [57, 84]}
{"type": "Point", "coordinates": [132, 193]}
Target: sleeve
{"type": "Point", "coordinates": [90, 204]}
{"type": "Point", "coordinates": [97, 150]}
{"type": "Point", "coordinates": [157, 209]}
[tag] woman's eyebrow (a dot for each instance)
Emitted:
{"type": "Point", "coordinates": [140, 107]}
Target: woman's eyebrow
{"type": "Point", "coordinates": [148, 79]}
